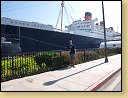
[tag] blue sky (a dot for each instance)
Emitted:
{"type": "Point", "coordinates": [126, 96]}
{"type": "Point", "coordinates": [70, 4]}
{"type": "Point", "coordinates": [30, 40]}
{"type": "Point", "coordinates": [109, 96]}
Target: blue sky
{"type": "Point", "coordinates": [47, 11]}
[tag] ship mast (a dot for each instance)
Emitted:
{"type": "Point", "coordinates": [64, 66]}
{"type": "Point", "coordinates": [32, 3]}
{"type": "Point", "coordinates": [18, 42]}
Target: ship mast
{"type": "Point", "coordinates": [62, 5]}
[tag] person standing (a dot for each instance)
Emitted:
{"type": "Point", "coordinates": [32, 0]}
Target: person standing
{"type": "Point", "coordinates": [72, 49]}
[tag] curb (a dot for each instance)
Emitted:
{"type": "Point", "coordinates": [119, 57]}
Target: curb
{"type": "Point", "coordinates": [102, 81]}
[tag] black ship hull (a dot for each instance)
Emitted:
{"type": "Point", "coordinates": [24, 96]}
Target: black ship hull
{"type": "Point", "coordinates": [32, 40]}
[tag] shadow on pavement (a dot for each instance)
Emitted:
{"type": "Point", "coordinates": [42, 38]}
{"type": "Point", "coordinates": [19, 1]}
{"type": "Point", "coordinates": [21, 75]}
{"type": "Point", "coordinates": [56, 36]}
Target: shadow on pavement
{"type": "Point", "coordinates": [54, 81]}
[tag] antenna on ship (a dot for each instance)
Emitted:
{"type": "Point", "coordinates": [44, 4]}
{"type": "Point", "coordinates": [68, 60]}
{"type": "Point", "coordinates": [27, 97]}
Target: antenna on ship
{"type": "Point", "coordinates": [62, 5]}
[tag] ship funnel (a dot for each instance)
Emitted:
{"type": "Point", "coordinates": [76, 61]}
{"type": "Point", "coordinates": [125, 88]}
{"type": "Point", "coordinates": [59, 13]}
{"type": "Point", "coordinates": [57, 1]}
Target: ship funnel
{"type": "Point", "coordinates": [88, 16]}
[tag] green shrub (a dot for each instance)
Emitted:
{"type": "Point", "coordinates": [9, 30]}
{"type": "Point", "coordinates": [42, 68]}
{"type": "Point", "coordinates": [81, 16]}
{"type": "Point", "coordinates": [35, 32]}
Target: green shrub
{"type": "Point", "coordinates": [51, 60]}
{"type": "Point", "coordinates": [110, 52]}
{"type": "Point", "coordinates": [118, 51]}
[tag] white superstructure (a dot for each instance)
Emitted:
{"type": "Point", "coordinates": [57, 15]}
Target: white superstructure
{"type": "Point", "coordinates": [36, 25]}
{"type": "Point", "coordinates": [90, 29]}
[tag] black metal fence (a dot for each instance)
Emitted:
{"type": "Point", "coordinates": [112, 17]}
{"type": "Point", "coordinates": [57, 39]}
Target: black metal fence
{"type": "Point", "coordinates": [25, 64]}
{"type": "Point", "coordinates": [20, 65]}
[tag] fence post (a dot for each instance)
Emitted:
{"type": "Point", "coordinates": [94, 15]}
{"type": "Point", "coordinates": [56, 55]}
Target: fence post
{"type": "Point", "coordinates": [84, 54]}
{"type": "Point", "coordinates": [60, 57]}
{"type": "Point", "coordinates": [13, 65]}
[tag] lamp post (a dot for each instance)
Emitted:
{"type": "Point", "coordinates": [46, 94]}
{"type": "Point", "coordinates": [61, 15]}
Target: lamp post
{"type": "Point", "coordinates": [106, 59]}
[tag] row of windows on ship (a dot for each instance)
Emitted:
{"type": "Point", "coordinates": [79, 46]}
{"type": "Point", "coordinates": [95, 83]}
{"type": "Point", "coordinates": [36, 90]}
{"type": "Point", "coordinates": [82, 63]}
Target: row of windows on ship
{"type": "Point", "coordinates": [30, 24]}
{"type": "Point", "coordinates": [81, 26]}
{"type": "Point", "coordinates": [81, 23]}
{"type": "Point", "coordinates": [89, 26]}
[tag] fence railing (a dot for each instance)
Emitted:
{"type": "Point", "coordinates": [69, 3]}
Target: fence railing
{"type": "Point", "coordinates": [26, 64]}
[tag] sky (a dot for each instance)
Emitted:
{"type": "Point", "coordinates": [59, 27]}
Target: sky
{"type": "Point", "coordinates": [47, 12]}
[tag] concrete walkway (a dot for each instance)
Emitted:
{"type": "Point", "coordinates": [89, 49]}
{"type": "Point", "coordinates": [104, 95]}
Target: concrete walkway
{"type": "Point", "coordinates": [88, 76]}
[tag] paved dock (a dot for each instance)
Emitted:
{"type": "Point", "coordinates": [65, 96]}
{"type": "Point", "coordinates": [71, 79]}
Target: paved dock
{"type": "Point", "coordinates": [88, 76]}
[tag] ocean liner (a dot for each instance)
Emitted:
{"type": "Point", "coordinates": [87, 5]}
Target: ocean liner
{"type": "Point", "coordinates": [33, 36]}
